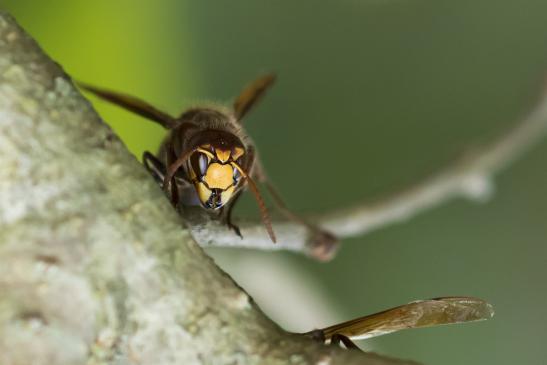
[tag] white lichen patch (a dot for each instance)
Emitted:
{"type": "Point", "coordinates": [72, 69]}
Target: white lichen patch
{"type": "Point", "coordinates": [155, 327]}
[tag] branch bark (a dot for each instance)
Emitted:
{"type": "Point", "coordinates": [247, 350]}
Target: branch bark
{"type": "Point", "coordinates": [471, 177]}
{"type": "Point", "coordinates": [95, 267]}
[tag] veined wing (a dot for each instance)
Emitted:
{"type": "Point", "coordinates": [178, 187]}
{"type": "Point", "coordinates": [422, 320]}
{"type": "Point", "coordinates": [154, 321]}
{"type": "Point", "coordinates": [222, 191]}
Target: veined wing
{"type": "Point", "coordinates": [423, 313]}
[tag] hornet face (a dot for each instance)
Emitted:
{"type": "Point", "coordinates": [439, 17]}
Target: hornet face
{"type": "Point", "coordinates": [216, 174]}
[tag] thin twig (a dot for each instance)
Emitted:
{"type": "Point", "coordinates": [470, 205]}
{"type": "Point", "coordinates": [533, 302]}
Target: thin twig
{"type": "Point", "coordinates": [470, 177]}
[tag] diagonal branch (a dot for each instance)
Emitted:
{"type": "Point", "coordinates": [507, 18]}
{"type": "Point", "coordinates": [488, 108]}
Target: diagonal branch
{"type": "Point", "coordinates": [94, 265]}
{"type": "Point", "coordinates": [470, 177]}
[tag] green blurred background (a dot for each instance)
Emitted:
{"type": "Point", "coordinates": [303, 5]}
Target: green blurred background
{"type": "Point", "coordinates": [388, 91]}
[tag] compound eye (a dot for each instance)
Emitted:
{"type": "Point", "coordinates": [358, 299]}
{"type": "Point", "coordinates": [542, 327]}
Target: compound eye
{"type": "Point", "coordinates": [203, 163]}
{"type": "Point", "coordinates": [236, 175]}
{"type": "Point", "coordinates": [199, 163]}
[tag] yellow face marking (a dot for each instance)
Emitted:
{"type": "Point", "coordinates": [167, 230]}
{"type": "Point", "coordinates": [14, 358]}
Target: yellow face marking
{"type": "Point", "coordinates": [238, 152]}
{"type": "Point", "coordinates": [205, 152]}
{"type": "Point", "coordinates": [223, 155]}
{"type": "Point", "coordinates": [203, 193]}
{"type": "Point", "coordinates": [219, 176]}
{"type": "Point", "coordinates": [226, 195]}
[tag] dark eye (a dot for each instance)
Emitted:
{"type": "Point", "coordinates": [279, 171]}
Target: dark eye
{"type": "Point", "coordinates": [199, 163]}
{"type": "Point", "coordinates": [202, 162]}
{"type": "Point", "coordinates": [237, 174]}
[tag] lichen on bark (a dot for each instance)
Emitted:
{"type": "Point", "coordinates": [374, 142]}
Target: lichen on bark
{"type": "Point", "coordinates": [95, 265]}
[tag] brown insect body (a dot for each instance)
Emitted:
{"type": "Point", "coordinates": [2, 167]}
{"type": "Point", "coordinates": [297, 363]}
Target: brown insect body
{"type": "Point", "coordinates": [206, 158]}
{"type": "Point", "coordinates": [214, 179]}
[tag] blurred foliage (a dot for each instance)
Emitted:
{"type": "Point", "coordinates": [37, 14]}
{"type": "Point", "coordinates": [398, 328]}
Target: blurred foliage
{"type": "Point", "coordinates": [372, 96]}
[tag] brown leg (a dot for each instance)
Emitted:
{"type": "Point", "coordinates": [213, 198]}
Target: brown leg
{"type": "Point", "coordinates": [154, 166]}
{"type": "Point", "coordinates": [349, 344]}
{"type": "Point", "coordinates": [336, 339]}
{"type": "Point", "coordinates": [173, 194]}
{"type": "Point", "coordinates": [260, 176]}
{"type": "Point", "coordinates": [322, 242]}
{"type": "Point", "coordinates": [227, 214]}
{"type": "Point", "coordinates": [157, 169]}
{"type": "Point", "coordinates": [248, 173]}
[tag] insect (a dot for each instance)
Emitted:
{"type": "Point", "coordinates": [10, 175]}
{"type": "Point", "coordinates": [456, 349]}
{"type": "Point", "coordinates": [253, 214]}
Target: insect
{"type": "Point", "coordinates": [207, 158]}
{"type": "Point", "coordinates": [423, 313]}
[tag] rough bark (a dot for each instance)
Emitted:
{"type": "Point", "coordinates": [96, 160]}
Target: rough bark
{"type": "Point", "coordinates": [95, 265]}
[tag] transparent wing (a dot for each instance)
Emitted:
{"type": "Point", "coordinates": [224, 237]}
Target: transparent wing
{"type": "Point", "coordinates": [424, 313]}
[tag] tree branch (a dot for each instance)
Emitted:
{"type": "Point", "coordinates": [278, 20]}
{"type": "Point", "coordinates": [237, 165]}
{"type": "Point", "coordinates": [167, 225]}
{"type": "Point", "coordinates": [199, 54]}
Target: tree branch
{"type": "Point", "coordinates": [471, 177]}
{"type": "Point", "coordinates": [95, 267]}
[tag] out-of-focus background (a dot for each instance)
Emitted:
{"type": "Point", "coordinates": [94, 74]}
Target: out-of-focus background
{"type": "Point", "coordinates": [383, 92]}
